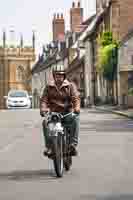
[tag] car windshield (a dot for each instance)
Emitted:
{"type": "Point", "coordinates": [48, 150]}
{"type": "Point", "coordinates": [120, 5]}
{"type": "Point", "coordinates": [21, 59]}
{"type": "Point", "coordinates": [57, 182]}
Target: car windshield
{"type": "Point", "coordinates": [18, 94]}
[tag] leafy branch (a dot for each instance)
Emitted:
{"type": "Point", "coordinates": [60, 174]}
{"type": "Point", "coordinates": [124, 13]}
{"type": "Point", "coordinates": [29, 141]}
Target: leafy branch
{"type": "Point", "coordinates": [107, 56]}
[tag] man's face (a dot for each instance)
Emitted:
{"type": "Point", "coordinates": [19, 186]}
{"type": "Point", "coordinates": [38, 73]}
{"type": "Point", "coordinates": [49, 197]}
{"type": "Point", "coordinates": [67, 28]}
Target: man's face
{"type": "Point", "coordinates": [59, 78]}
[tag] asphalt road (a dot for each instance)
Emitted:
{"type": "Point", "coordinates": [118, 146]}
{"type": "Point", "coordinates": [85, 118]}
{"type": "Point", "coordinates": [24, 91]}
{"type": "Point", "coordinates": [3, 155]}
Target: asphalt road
{"type": "Point", "coordinates": [102, 171]}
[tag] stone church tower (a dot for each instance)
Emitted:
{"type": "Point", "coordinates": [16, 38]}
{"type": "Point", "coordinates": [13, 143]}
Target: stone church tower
{"type": "Point", "coordinates": [15, 67]}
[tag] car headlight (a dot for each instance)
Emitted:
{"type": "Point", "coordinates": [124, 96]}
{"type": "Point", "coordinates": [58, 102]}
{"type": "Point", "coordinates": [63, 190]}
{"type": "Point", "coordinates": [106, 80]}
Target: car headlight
{"type": "Point", "coordinates": [29, 102]}
{"type": "Point", "coordinates": [55, 127]}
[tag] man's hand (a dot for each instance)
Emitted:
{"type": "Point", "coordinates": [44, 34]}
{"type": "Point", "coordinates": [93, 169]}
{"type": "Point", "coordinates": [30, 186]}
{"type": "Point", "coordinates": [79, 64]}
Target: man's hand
{"type": "Point", "coordinates": [77, 112]}
{"type": "Point", "coordinates": [42, 113]}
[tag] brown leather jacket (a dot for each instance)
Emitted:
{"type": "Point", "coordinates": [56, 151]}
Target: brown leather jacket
{"type": "Point", "coordinates": [57, 99]}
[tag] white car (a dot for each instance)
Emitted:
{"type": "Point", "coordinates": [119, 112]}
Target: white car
{"type": "Point", "coordinates": [18, 99]}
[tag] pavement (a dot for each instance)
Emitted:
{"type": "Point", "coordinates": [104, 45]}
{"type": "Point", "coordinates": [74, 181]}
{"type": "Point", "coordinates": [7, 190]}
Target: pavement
{"type": "Point", "coordinates": [115, 109]}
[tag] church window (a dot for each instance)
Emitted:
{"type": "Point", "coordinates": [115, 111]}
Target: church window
{"type": "Point", "coordinates": [20, 73]}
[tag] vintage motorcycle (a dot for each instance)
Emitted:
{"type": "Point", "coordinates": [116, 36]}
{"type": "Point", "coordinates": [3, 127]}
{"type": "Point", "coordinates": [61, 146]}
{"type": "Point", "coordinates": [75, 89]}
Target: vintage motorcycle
{"type": "Point", "coordinates": [59, 135]}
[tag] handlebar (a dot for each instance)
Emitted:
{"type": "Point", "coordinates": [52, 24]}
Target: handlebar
{"type": "Point", "coordinates": [46, 114]}
{"type": "Point", "coordinates": [71, 113]}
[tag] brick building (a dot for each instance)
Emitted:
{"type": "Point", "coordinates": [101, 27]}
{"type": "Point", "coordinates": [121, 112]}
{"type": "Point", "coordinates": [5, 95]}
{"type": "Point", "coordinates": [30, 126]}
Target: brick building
{"type": "Point", "coordinates": [118, 19]}
{"type": "Point", "coordinates": [125, 71]}
{"type": "Point", "coordinates": [41, 71]}
{"type": "Point", "coordinates": [120, 16]}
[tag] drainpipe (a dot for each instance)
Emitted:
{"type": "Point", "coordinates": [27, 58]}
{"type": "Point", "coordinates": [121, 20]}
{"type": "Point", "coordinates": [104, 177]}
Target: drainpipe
{"type": "Point", "coordinates": [89, 73]}
{"type": "Point", "coordinates": [93, 74]}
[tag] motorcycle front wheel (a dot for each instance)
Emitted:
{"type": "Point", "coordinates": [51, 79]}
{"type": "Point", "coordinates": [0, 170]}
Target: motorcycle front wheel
{"type": "Point", "coordinates": [58, 155]}
{"type": "Point", "coordinates": [67, 156]}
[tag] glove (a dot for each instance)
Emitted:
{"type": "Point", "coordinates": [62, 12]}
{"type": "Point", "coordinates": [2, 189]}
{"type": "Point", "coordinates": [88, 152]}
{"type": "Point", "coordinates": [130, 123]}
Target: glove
{"type": "Point", "coordinates": [76, 112]}
{"type": "Point", "coordinates": [42, 114]}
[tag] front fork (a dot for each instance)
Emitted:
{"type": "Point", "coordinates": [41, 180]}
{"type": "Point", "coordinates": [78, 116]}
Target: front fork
{"type": "Point", "coordinates": [66, 142]}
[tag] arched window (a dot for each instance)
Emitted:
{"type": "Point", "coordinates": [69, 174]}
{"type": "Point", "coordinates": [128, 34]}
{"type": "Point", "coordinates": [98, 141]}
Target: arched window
{"type": "Point", "coordinates": [20, 73]}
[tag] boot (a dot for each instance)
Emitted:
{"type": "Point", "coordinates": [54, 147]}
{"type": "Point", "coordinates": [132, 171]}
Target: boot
{"type": "Point", "coordinates": [47, 152]}
{"type": "Point", "coordinates": [73, 150]}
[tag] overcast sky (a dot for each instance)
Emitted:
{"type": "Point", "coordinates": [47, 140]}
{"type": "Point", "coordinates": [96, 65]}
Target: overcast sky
{"type": "Point", "coordinates": [23, 16]}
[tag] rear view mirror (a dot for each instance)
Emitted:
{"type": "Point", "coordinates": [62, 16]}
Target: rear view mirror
{"type": "Point", "coordinates": [30, 97]}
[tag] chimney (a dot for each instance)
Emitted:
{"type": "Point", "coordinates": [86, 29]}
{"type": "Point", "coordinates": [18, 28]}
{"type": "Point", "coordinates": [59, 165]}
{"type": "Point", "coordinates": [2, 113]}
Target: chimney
{"type": "Point", "coordinates": [73, 4]}
{"type": "Point", "coordinates": [4, 39]}
{"type": "Point", "coordinates": [62, 15]}
{"type": "Point", "coordinates": [76, 16]}
{"type": "Point", "coordinates": [21, 41]}
{"type": "Point", "coordinates": [58, 27]}
{"type": "Point", "coordinates": [33, 40]}
{"type": "Point", "coordinates": [79, 4]}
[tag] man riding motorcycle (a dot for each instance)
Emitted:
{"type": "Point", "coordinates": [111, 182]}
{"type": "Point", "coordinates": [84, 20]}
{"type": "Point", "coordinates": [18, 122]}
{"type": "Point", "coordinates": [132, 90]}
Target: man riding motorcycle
{"type": "Point", "coordinates": [61, 96]}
